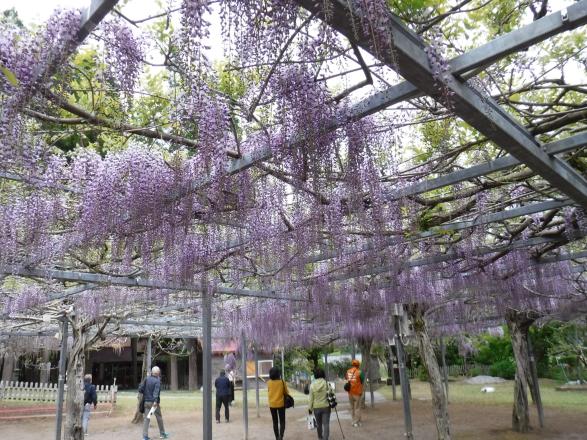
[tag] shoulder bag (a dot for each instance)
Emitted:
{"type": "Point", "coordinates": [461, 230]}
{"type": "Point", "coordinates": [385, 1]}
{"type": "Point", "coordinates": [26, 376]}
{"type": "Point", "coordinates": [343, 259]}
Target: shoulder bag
{"type": "Point", "coordinates": [347, 385]}
{"type": "Point", "coordinates": [287, 399]}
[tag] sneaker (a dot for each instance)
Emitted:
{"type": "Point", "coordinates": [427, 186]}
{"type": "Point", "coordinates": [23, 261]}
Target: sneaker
{"type": "Point", "coordinates": [226, 421]}
{"type": "Point", "coordinates": [217, 421]}
{"type": "Point", "coordinates": [164, 435]}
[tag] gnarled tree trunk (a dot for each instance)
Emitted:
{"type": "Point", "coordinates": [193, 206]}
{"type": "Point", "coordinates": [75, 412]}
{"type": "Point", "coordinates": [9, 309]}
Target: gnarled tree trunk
{"type": "Point", "coordinates": [8, 369]}
{"type": "Point", "coordinates": [45, 367]}
{"type": "Point", "coordinates": [519, 324]}
{"type": "Point", "coordinates": [365, 347]}
{"type": "Point", "coordinates": [439, 400]}
{"type": "Point", "coordinates": [192, 346]}
{"type": "Point", "coordinates": [74, 400]}
{"type": "Point", "coordinates": [173, 377]}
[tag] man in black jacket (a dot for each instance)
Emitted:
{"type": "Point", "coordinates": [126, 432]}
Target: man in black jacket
{"type": "Point", "coordinates": [90, 398]}
{"type": "Point", "coordinates": [222, 385]}
{"type": "Point", "coordinates": [151, 389]}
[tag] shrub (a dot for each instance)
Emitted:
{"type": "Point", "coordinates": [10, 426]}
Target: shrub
{"type": "Point", "coordinates": [423, 374]}
{"type": "Point", "coordinates": [475, 371]}
{"type": "Point", "coordinates": [505, 368]}
{"type": "Point", "coordinates": [493, 349]}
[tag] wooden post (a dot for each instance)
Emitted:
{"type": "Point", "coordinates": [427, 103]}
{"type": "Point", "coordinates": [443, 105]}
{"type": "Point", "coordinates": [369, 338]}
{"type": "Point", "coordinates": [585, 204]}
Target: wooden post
{"type": "Point", "coordinates": [134, 367]}
{"type": "Point", "coordinates": [149, 355]}
{"type": "Point", "coordinates": [101, 372]}
{"type": "Point", "coordinates": [173, 378]}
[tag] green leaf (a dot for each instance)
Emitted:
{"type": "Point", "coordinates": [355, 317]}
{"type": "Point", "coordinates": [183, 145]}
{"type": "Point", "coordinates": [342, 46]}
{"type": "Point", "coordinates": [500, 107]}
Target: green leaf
{"type": "Point", "coordinates": [10, 76]}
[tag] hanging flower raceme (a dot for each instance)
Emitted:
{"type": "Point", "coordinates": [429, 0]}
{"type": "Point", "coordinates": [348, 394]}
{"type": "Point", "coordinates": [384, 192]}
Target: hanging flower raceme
{"type": "Point", "coordinates": [303, 112]}
{"type": "Point", "coordinates": [124, 56]}
{"type": "Point", "coordinates": [27, 63]}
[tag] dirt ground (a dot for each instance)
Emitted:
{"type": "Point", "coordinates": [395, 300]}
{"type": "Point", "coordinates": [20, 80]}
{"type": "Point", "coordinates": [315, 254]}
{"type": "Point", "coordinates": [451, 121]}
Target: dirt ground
{"type": "Point", "coordinates": [385, 421]}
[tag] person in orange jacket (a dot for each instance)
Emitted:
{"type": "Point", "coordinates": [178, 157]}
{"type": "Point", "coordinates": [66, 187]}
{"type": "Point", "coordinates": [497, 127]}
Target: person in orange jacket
{"type": "Point", "coordinates": [356, 378]}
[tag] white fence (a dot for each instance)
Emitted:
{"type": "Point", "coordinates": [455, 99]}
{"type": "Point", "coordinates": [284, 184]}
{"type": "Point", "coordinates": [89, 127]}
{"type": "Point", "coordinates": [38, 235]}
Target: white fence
{"type": "Point", "coordinates": [47, 392]}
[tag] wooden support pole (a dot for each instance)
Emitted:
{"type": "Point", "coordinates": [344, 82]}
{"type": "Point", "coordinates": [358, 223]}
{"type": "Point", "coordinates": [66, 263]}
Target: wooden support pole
{"type": "Point", "coordinates": [257, 382]}
{"type": "Point", "coordinates": [134, 367]}
{"type": "Point", "coordinates": [403, 380]}
{"type": "Point", "coordinates": [245, 387]}
{"type": "Point", "coordinates": [391, 369]}
{"type": "Point", "coordinates": [149, 355]}
{"type": "Point", "coordinates": [61, 380]}
{"type": "Point", "coordinates": [206, 361]}
{"type": "Point", "coordinates": [283, 363]}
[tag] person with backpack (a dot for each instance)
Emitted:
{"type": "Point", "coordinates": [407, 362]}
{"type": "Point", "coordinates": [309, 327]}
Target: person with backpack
{"type": "Point", "coordinates": [222, 385]}
{"type": "Point", "coordinates": [90, 398]}
{"type": "Point", "coordinates": [354, 386]}
{"type": "Point", "coordinates": [319, 403]}
{"type": "Point", "coordinates": [151, 388]}
{"type": "Point", "coordinates": [277, 390]}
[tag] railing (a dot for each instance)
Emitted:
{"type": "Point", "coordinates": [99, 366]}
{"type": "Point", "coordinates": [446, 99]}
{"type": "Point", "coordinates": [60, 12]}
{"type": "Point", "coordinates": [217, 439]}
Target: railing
{"type": "Point", "coordinates": [47, 392]}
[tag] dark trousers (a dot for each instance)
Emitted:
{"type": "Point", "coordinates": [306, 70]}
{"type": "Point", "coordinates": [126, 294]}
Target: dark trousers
{"type": "Point", "coordinates": [222, 400]}
{"type": "Point", "coordinates": [278, 428]}
{"type": "Point", "coordinates": [323, 421]}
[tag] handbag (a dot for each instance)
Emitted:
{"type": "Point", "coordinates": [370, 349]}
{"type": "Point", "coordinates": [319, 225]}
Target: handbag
{"type": "Point", "coordinates": [347, 385]}
{"type": "Point", "coordinates": [331, 398]}
{"type": "Point", "coordinates": [287, 399]}
{"type": "Point", "coordinates": [311, 421]}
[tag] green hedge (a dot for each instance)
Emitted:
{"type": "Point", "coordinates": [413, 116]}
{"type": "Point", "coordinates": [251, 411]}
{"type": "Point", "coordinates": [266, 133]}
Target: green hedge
{"type": "Point", "coordinates": [505, 369]}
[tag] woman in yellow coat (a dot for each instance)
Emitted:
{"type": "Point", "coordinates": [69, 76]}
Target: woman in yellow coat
{"type": "Point", "coordinates": [276, 390]}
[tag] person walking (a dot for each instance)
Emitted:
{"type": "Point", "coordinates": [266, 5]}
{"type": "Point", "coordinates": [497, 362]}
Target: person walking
{"type": "Point", "coordinates": [151, 389]}
{"type": "Point", "coordinates": [276, 390]}
{"type": "Point", "coordinates": [222, 385]}
{"type": "Point", "coordinates": [319, 403]}
{"type": "Point", "coordinates": [90, 398]}
{"type": "Point", "coordinates": [356, 379]}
